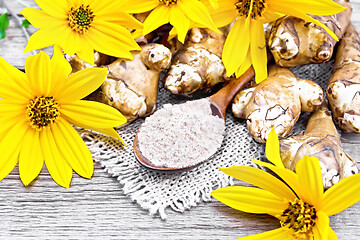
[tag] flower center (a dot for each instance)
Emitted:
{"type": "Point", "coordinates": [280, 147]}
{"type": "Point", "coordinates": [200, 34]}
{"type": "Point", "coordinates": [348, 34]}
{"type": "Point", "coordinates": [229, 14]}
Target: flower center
{"type": "Point", "coordinates": [80, 18]}
{"type": "Point", "coordinates": [300, 218]}
{"type": "Point", "coordinates": [168, 2]}
{"type": "Point", "coordinates": [42, 111]}
{"type": "Point", "coordinates": [254, 8]}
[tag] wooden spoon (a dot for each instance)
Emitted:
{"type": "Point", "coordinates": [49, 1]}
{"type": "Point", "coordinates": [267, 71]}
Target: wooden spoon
{"type": "Point", "coordinates": [218, 103]}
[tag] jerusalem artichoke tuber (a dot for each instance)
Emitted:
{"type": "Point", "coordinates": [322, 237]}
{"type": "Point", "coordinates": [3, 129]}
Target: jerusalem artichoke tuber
{"type": "Point", "coordinates": [294, 41]}
{"type": "Point", "coordinates": [197, 66]}
{"type": "Point", "coordinates": [78, 64]}
{"type": "Point", "coordinates": [322, 142]}
{"type": "Point", "coordinates": [343, 89]}
{"type": "Point", "coordinates": [132, 86]}
{"type": "Point", "coordinates": [276, 102]}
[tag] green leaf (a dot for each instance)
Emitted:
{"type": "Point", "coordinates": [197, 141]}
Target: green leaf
{"type": "Point", "coordinates": [25, 23]}
{"type": "Point", "coordinates": [4, 23]}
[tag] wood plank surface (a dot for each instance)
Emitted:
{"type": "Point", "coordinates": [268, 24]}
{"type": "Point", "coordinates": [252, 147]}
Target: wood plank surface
{"type": "Point", "coordinates": [97, 208]}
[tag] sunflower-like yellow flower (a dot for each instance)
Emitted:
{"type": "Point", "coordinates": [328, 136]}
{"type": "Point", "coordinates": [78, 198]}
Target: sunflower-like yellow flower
{"type": "Point", "coordinates": [181, 14]}
{"type": "Point", "coordinates": [82, 26]}
{"type": "Point", "coordinates": [296, 199]}
{"type": "Point", "coordinates": [37, 109]}
{"type": "Point", "coordinates": [245, 44]}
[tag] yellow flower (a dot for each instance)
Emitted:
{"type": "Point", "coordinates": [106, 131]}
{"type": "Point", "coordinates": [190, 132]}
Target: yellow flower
{"type": "Point", "coordinates": [296, 199]}
{"type": "Point", "coordinates": [181, 14]}
{"type": "Point", "coordinates": [82, 26]}
{"type": "Point", "coordinates": [245, 44]}
{"type": "Point", "coordinates": [37, 109]}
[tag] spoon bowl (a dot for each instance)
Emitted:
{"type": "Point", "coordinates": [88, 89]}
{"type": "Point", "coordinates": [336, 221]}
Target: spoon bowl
{"type": "Point", "coordinates": [146, 163]}
{"type": "Point", "coordinates": [218, 104]}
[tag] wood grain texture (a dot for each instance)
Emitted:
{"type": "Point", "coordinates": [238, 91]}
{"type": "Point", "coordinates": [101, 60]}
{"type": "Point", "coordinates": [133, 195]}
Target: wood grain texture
{"type": "Point", "coordinates": [13, 45]}
{"type": "Point", "coordinates": [97, 208]}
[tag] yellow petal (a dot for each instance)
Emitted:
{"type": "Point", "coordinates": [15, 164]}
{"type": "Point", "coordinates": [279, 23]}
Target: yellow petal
{"type": "Point", "coordinates": [276, 234]}
{"type": "Point", "coordinates": [116, 12]}
{"type": "Point", "coordinates": [158, 17]}
{"type": "Point", "coordinates": [112, 39]}
{"type": "Point", "coordinates": [10, 119]}
{"type": "Point", "coordinates": [245, 66]}
{"type": "Point", "coordinates": [236, 47]}
{"type": "Point", "coordinates": [60, 70]}
{"type": "Point", "coordinates": [137, 33]}
{"type": "Point", "coordinates": [85, 50]}
{"type": "Point", "coordinates": [309, 171]}
{"type": "Point", "coordinates": [36, 17]}
{"type": "Point", "coordinates": [101, 7]}
{"type": "Point", "coordinates": [39, 18]}
{"type": "Point", "coordinates": [251, 200]}
{"type": "Point", "coordinates": [10, 110]}
{"type": "Point", "coordinates": [38, 71]}
{"type": "Point", "coordinates": [44, 38]}
{"type": "Point", "coordinates": [322, 228]}
{"type": "Point", "coordinates": [73, 148]}
{"type": "Point", "coordinates": [56, 8]}
{"type": "Point", "coordinates": [77, 3]}
{"type": "Point", "coordinates": [69, 41]}
{"type": "Point", "coordinates": [272, 149]}
{"type": "Point", "coordinates": [197, 12]}
{"type": "Point", "coordinates": [258, 50]}
{"type": "Point", "coordinates": [300, 14]}
{"type": "Point", "coordinates": [224, 14]}
{"type": "Point", "coordinates": [72, 42]}
{"type": "Point", "coordinates": [81, 84]}
{"type": "Point", "coordinates": [12, 74]}
{"type": "Point", "coordinates": [30, 158]}
{"type": "Point", "coordinates": [14, 84]}
{"type": "Point", "coordinates": [11, 91]}
{"type": "Point", "coordinates": [270, 16]}
{"type": "Point", "coordinates": [140, 6]}
{"type": "Point", "coordinates": [248, 17]}
{"type": "Point", "coordinates": [342, 195]}
{"type": "Point", "coordinates": [86, 53]}
{"type": "Point", "coordinates": [57, 166]}
{"type": "Point", "coordinates": [260, 178]}
{"type": "Point", "coordinates": [214, 3]}
{"type": "Point", "coordinates": [332, 235]}
{"type": "Point", "coordinates": [172, 34]}
{"type": "Point", "coordinates": [289, 177]}
{"type": "Point", "coordinates": [180, 22]}
{"type": "Point", "coordinates": [314, 7]}
{"type": "Point", "coordinates": [10, 146]}
{"type": "Point", "coordinates": [93, 114]}
{"type": "Point", "coordinates": [109, 132]}
{"type": "Point", "coordinates": [121, 18]}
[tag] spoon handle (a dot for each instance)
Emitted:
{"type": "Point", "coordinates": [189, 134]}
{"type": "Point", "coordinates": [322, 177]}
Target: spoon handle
{"type": "Point", "coordinates": [224, 96]}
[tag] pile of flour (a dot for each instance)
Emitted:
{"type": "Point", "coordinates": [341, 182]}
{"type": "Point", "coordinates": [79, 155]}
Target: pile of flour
{"type": "Point", "coordinates": [181, 135]}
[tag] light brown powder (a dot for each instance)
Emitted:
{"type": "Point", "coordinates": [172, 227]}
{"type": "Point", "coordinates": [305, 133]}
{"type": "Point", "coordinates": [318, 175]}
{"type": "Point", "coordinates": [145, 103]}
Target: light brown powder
{"type": "Point", "coordinates": [181, 135]}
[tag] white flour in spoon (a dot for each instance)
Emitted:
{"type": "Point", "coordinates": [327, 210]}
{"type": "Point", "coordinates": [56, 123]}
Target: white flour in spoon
{"type": "Point", "coordinates": [181, 135]}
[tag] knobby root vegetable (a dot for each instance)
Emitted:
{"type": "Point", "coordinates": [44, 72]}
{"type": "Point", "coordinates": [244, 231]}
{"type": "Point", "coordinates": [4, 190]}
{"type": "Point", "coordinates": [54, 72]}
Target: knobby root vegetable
{"type": "Point", "coordinates": [78, 64]}
{"type": "Point", "coordinates": [276, 102]}
{"type": "Point", "coordinates": [294, 41]}
{"type": "Point", "coordinates": [343, 89]}
{"type": "Point", "coordinates": [132, 86]}
{"type": "Point", "coordinates": [197, 66]}
{"type": "Point", "coordinates": [321, 140]}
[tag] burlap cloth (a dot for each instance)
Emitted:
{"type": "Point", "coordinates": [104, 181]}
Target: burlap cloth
{"type": "Point", "coordinates": [156, 191]}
